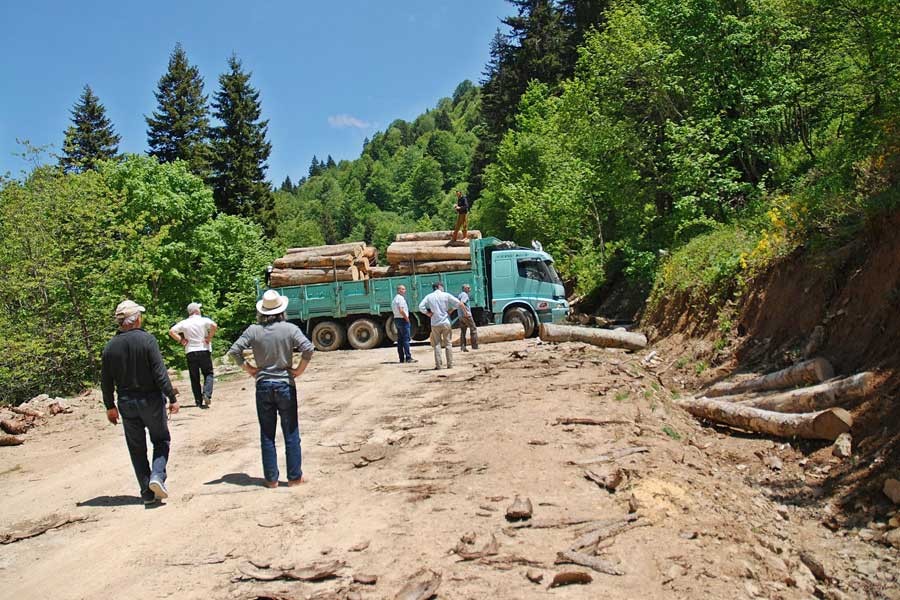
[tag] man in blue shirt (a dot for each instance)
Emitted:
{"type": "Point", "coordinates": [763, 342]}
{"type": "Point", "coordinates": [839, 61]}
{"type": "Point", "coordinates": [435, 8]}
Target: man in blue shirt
{"type": "Point", "coordinates": [438, 305]}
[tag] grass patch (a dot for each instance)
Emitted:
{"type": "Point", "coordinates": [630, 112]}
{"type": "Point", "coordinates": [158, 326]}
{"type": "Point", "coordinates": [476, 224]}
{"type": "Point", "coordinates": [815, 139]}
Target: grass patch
{"type": "Point", "coordinates": [671, 432]}
{"type": "Point", "coordinates": [621, 396]}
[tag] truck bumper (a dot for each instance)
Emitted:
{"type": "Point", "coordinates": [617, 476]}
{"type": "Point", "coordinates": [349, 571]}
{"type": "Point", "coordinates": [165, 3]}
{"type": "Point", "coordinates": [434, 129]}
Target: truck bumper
{"type": "Point", "coordinates": [559, 314]}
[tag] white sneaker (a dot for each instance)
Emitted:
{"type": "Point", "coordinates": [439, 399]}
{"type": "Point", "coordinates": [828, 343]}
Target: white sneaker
{"type": "Point", "coordinates": [159, 489]}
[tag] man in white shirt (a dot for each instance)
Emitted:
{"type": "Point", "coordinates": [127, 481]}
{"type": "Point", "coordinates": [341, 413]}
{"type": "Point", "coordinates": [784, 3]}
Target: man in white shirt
{"type": "Point", "coordinates": [401, 320]}
{"type": "Point", "coordinates": [466, 321]}
{"type": "Point", "coordinates": [195, 333]}
{"type": "Point", "coordinates": [438, 305]}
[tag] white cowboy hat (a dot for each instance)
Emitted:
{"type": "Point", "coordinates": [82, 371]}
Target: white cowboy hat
{"type": "Point", "coordinates": [272, 303]}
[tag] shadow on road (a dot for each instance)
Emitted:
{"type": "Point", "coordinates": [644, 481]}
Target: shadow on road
{"type": "Point", "coordinates": [241, 479]}
{"type": "Point", "coordinates": [111, 501]}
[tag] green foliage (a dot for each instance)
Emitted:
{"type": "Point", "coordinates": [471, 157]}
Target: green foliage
{"type": "Point", "coordinates": [75, 245]}
{"type": "Point", "coordinates": [91, 138]}
{"type": "Point", "coordinates": [669, 431]}
{"type": "Point", "coordinates": [179, 127]}
{"type": "Point", "coordinates": [240, 148]}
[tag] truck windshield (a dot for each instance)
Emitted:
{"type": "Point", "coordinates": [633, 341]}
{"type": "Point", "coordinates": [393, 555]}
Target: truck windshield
{"type": "Point", "coordinates": [533, 268]}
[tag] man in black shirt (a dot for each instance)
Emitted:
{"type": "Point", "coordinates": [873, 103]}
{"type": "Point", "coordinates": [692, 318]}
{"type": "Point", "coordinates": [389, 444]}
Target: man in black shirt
{"type": "Point", "coordinates": [133, 368]}
{"type": "Point", "coordinates": [462, 216]}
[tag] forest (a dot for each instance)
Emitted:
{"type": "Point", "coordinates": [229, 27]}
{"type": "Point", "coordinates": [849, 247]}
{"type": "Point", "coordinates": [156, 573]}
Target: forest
{"type": "Point", "coordinates": [659, 145]}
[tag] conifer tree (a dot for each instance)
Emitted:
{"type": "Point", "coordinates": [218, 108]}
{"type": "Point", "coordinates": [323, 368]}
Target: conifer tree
{"type": "Point", "coordinates": [240, 148]}
{"type": "Point", "coordinates": [330, 163]}
{"type": "Point", "coordinates": [315, 167]}
{"type": "Point", "coordinates": [179, 128]}
{"type": "Point", "coordinates": [287, 185]}
{"type": "Point", "coordinates": [91, 137]}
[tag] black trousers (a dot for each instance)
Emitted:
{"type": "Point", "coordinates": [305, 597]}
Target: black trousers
{"type": "Point", "coordinates": [200, 362]}
{"type": "Point", "coordinates": [143, 414]}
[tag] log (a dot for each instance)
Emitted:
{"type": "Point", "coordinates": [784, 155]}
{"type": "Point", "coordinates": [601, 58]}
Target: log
{"type": "Point", "coordinates": [354, 248]}
{"type": "Point", "coordinates": [285, 277]}
{"type": "Point", "coordinates": [428, 236]}
{"type": "Point", "coordinates": [28, 412]}
{"type": "Point", "coordinates": [818, 397]}
{"type": "Point", "coordinates": [821, 425]}
{"type": "Point", "coordinates": [371, 254]}
{"type": "Point", "coordinates": [10, 440]}
{"type": "Point", "coordinates": [801, 374]}
{"type": "Point", "coordinates": [17, 427]}
{"type": "Point", "coordinates": [444, 266]}
{"type": "Point", "coordinates": [604, 338]}
{"type": "Point", "coordinates": [421, 252]}
{"type": "Point", "coordinates": [492, 334]}
{"type": "Point", "coordinates": [313, 261]}
{"type": "Point", "coordinates": [586, 560]}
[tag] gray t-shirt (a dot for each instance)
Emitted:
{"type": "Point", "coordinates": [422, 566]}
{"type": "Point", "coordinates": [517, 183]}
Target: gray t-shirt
{"type": "Point", "coordinates": [464, 305]}
{"type": "Point", "coordinates": [273, 346]}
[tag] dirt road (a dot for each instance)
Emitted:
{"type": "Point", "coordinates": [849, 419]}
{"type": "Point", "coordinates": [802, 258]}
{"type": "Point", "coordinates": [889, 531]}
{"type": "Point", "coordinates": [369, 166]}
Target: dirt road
{"type": "Point", "coordinates": [409, 460]}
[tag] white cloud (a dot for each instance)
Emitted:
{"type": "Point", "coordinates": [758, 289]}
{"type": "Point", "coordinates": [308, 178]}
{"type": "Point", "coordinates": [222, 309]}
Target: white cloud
{"type": "Point", "coordinates": [344, 121]}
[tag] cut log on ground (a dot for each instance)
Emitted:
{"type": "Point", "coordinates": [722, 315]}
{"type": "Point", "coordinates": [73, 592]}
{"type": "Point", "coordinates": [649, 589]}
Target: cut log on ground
{"type": "Point", "coordinates": [604, 338]}
{"type": "Point", "coordinates": [821, 425]}
{"type": "Point", "coordinates": [313, 261]}
{"type": "Point", "coordinates": [14, 427]}
{"type": "Point", "coordinates": [354, 248]}
{"type": "Point", "coordinates": [402, 253]}
{"type": "Point", "coordinates": [492, 334]}
{"type": "Point", "coordinates": [10, 440]}
{"type": "Point", "coordinates": [444, 266]}
{"type": "Point", "coordinates": [28, 412]}
{"type": "Point", "coordinates": [817, 397]}
{"type": "Point", "coordinates": [805, 373]}
{"type": "Point", "coordinates": [428, 236]}
{"type": "Point", "coordinates": [285, 277]}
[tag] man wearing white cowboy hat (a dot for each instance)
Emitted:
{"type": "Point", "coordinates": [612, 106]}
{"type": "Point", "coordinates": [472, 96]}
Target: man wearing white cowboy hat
{"type": "Point", "coordinates": [273, 341]}
{"type": "Point", "coordinates": [133, 368]}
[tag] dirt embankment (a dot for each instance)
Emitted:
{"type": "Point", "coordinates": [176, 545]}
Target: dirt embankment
{"type": "Point", "coordinates": [842, 304]}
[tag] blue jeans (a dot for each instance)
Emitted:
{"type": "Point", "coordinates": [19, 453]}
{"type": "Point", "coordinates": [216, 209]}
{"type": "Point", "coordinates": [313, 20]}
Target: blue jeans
{"type": "Point", "coordinates": [140, 412]}
{"type": "Point", "coordinates": [403, 340]}
{"type": "Point", "coordinates": [278, 399]}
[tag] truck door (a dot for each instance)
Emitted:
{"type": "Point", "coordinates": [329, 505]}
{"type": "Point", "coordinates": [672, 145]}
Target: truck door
{"type": "Point", "coordinates": [531, 275]}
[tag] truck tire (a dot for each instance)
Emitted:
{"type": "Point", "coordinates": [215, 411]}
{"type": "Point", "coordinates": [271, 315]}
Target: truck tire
{"type": "Point", "coordinates": [328, 336]}
{"type": "Point", "coordinates": [390, 329]}
{"type": "Point", "coordinates": [517, 314]}
{"type": "Point", "coordinates": [420, 328]}
{"type": "Point", "coordinates": [365, 334]}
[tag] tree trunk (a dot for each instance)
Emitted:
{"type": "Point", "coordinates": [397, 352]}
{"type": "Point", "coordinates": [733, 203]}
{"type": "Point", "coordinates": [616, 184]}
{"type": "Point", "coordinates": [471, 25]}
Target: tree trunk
{"type": "Point", "coordinates": [821, 425]}
{"type": "Point", "coordinates": [444, 266]}
{"type": "Point", "coordinates": [354, 248]}
{"type": "Point", "coordinates": [604, 338]}
{"type": "Point", "coordinates": [427, 236]}
{"type": "Point", "coordinates": [804, 373]}
{"type": "Point", "coordinates": [314, 261]}
{"type": "Point", "coordinates": [817, 397]}
{"type": "Point", "coordinates": [494, 333]}
{"type": "Point", "coordinates": [286, 277]}
{"type": "Point", "coordinates": [371, 254]}
{"type": "Point", "coordinates": [400, 253]}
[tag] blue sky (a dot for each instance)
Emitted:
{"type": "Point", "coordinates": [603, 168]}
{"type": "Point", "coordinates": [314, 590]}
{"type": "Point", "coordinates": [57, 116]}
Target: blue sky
{"type": "Point", "coordinates": [329, 73]}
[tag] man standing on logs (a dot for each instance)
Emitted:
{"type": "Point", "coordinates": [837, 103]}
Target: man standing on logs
{"type": "Point", "coordinates": [462, 216]}
{"type": "Point", "coordinates": [401, 320]}
{"type": "Point", "coordinates": [133, 368]}
{"type": "Point", "coordinates": [195, 333]}
{"type": "Point", "coordinates": [466, 321]}
{"type": "Point", "coordinates": [273, 341]}
{"type": "Point", "coordinates": [438, 305]}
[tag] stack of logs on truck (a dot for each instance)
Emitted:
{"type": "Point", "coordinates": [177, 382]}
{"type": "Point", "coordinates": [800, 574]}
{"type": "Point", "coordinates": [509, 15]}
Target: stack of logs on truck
{"type": "Point", "coordinates": [425, 252]}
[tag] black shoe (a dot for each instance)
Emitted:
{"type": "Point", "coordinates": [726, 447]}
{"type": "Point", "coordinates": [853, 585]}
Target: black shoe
{"type": "Point", "coordinates": [203, 406]}
{"type": "Point", "coordinates": [402, 361]}
{"type": "Point", "coordinates": [411, 360]}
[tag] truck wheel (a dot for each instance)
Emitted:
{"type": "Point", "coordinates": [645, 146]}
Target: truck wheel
{"type": "Point", "coordinates": [517, 314]}
{"type": "Point", "coordinates": [420, 328]}
{"type": "Point", "coordinates": [390, 329]}
{"type": "Point", "coordinates": [328, 336]}
{"type": "Point", "coordinates": [365, 334]}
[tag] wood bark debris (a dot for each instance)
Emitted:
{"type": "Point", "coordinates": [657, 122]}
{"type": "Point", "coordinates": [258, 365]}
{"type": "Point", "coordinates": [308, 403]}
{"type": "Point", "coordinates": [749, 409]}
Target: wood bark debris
{"type": "Point", "coordinates": [604, 338]}
{"type": "Point", "coordinates": [34, 529]}
{"type": "Point", "coordinates": [571, 578]}
{"type": "Point", "coordinates": [519, 510]}
{"type": "Point", "coordinates": [609, 479]}
{"type": "Point", "coordinates": [14, 427]}
{"type": "Point", "coordinates": [821, 425]}
{"type": "Point", "coordinates": [810, 399]}
{"type": "Point", "coordinates": [464, 551]}
{"type": "Point", "coordinates": [608, 530]}
{"type": "Point", "coordinates": [10, 440]}
{"type": "Point", "coordinates": [315, 572]}
{"type": "Point", "coordinates": [552, 523]}
{"type": "Point", "coordinates": [586, 560]}
{"type": "Point", "coordinates": [421, 586]}
{"type": "Point", "coordinates": [28, 412]}
{"type": "Point", "coordinates": [801, 374]}
{"type": "Point", "coordinates": [359, 547]}
{"type": "Point", "coordinates": [586, 421]}
{"type": "Point", "coordinates": [534, 576]}
{"type": "Point", "coordinates": [610, 456]}
{"type": "Point", "coordinates": [365, 579]}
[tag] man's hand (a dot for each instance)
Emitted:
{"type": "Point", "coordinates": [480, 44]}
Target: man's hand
{"type": "Point", "coordinates": [183, 341]}
{"type": "Point", "coordinates": [112, 415]}
{"type": "Point", "coordinates": [251, 371]}
{"type": "Point", "coordinates": [174, 408]}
